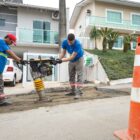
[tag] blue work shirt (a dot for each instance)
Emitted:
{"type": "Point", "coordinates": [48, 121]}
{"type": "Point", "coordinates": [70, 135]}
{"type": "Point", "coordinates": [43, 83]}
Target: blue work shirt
{"type": "Point", "coordinates": [3, 55]}
{"type": "Point", "coordinates": [75, 47]}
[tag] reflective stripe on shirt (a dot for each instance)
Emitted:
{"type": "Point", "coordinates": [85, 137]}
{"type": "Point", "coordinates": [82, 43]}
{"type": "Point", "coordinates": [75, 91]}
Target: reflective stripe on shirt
{"type": "Point", "coordinates": [4, 55]}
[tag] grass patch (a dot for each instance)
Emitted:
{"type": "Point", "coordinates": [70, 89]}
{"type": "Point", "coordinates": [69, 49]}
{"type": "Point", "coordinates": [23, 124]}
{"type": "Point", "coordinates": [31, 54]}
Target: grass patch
{"type": "Point", "coordinates": [117, 64]}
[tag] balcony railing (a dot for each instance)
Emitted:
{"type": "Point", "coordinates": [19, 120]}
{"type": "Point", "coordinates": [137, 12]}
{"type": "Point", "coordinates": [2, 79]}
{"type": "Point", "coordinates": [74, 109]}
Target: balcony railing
{"type": "Point", "coordinates": [86, 42]}
{"type": "Point", "coordinates": [37, 36]}
{"type": "Point", "coordinates": [102, 22]}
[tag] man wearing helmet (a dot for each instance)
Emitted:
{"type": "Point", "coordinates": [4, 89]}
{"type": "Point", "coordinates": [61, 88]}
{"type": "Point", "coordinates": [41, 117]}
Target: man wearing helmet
{"type": "Point", "coordinates": [5, 50]}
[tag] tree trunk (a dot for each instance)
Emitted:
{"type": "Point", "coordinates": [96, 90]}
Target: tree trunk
{"type": "Point", "coordinates": [96, 43]}
{"type": "Point", "coordinates": [111, 45]}
{"type": "Point", "coordinates": [104, 45]}
{"type": "Point", "coordinates": [126, 47]}
{"type": "Point", "coordinates": [62, 22]}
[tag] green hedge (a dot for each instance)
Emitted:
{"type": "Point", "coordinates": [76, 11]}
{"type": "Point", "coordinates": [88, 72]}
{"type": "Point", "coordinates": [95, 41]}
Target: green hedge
{"type": "Point", "coordinates": [117, 64]}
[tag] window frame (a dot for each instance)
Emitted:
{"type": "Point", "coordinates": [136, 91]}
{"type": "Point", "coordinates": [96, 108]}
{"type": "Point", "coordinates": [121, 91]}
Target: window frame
{"type": "Point", "coordinates": [118, 11]}
{"type": "Point", "coordinates": [132, 20]}
{"type": "Point", "coordinates": [132, 47]}
{"type": "Point", "coordinates": [115, 48]}
{"type": "Point", "coordinates": [43, 30]}
{"type": "Point", "coordinates": [3, 22]}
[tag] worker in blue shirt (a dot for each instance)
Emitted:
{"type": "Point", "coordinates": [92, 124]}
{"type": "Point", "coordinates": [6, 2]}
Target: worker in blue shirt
{"type": "Point", "coordinates": [74, 48]}
{"type": "Point", "coordinates": [5, 50]}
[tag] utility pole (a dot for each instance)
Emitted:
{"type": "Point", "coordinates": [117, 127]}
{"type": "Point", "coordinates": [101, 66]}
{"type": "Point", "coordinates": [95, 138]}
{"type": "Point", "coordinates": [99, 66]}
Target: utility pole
{"type": "Point", "coordinates": [62, 30]}
{"type": "Point", "coordinates": [62, 22]}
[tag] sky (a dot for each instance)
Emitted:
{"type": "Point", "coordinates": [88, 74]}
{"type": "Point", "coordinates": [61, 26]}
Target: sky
{"type": "Point", "coordinates": [55, 3]}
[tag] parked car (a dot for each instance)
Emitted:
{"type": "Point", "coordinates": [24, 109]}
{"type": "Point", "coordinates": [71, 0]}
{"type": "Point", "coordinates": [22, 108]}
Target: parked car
{"type": "Point", "coordinates": [12, 72]}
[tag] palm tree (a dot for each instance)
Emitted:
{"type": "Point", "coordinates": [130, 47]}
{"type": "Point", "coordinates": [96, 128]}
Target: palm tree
{"type": "Point", "coordinates": [112, 39]}
{"type": "Point", "coordinates": [94, 35]}
{"type": "Point", "coordinates": [127, 40]}
{"type": "Point", "coordinates": [105, 32]}
{"type": "Point", "coordinates": [134, 37]}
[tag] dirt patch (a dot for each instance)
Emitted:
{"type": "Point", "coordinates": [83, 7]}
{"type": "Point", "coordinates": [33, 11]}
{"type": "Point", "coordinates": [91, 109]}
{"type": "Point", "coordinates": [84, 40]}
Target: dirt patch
{"type": "Point", "coordinates": [28, 101]}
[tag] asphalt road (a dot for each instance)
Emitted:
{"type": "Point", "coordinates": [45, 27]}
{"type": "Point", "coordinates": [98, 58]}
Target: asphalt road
{"type": "Point", "coordinates": [90, 120]}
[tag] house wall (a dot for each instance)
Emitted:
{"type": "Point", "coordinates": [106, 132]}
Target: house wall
{"type": "Point", "coordinates": [96, 72]}
{"type": "Point", "coordinates": [31, 15]}
{"type": "Point", "coordinates": [101, 9]}
{"type": "Point", "coordinates": [10, 16]}
{"type": "Point", "coordinates": [23, 18]}
{"type": "Point", "coordinates": [34, 14]}
{"type": "Point", "coordinates": [19, 50]}
{"type": "Point", "coordinates": [81, 21]}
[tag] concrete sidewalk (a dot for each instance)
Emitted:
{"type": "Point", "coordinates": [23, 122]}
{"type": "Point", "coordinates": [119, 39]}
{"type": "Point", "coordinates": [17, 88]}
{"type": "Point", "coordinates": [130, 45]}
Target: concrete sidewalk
{"type": "Point", "coordinates": [117, 87]}
{"type": "Point", "coordinates": [57, 86]}
{"type": "Point", "coordinates": [29, 88]}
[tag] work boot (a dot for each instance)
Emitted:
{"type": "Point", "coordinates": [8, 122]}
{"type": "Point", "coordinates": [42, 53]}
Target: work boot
{"type": "Point", "coordinates": [70, 94]}
{"type": "Point", "coordinates": [80, 92]}
{"type": "Point", "coordinates": [5, 103]}
{"type": "Point", "coordinates": [77, 96]}
{"type": "Point", "coordinates": [3, 100]}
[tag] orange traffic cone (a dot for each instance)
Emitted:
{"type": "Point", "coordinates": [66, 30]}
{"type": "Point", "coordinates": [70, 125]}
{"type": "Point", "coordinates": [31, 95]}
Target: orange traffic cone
{"type": "Point", "coordinates": [133, 131]}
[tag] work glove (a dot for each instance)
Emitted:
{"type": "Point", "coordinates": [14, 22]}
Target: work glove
{"type": "Point", "coordinates": [59, 61]}
{"type": "Point", "coordinates": [23, 62]}
{"type": "Point", "coordinates": [53, 61]}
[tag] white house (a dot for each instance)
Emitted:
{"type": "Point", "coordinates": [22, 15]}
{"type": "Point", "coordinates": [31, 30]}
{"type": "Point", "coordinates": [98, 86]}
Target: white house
{"type": "Point", "coordinates": [36, 29]}
{"type": "Point", "coordinates": [122, 16]}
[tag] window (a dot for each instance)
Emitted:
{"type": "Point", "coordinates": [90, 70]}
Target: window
{"type": "Point", "coordinates": [56, 37]}
{"type": "Point", "coordinates": [46, 27]}
{"type": "Point", "coordinates": [2, 22]}
{"type": "Point", "coordinates": [37, 31]}
{"type": "Point", "coordinates": [135, 19]}
{"type": "Point", "coordinates": [118, 44]}
{"type": "Point", "coordinates": [114, 16]}
{"type": "Point", "coordinates": [134, 43]}
{"type": "Point", "coordinates": [41, 31]}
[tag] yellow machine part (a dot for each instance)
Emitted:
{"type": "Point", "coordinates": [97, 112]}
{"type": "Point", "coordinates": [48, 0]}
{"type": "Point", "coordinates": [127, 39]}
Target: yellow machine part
{"type": "Point", "coordinates": [39, 84]}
